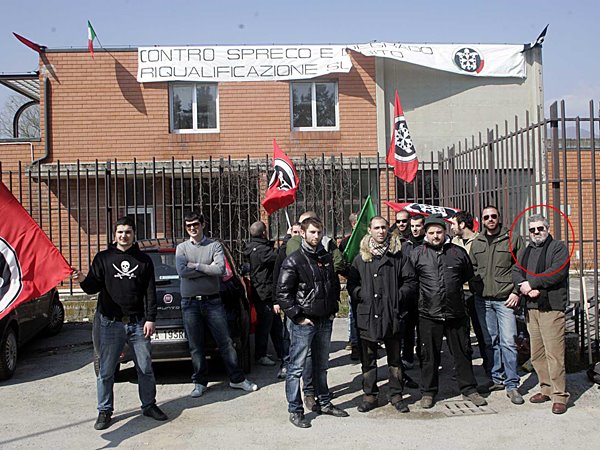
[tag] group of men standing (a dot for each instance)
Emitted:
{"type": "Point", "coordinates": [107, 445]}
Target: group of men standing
{"type": "Point", "coordinates": [407, 281]}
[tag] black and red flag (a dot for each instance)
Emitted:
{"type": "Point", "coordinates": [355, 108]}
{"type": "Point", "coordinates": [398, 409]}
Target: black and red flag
{"type": "Point", "coordinates": [402, 154]}
{"type": "Point", "coordinates": [30, 265]}
{"type": "Point", "coordinates": [445, 212]}
{"type": "Point", "coordinates": [283, 184]}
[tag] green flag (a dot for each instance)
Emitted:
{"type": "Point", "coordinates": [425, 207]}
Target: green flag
{"type": "Point", "coordinates": [362, 224]}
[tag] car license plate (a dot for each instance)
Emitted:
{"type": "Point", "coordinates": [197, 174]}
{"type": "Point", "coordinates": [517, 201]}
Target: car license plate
{"type": "Point", "coordinates": [169, 335]}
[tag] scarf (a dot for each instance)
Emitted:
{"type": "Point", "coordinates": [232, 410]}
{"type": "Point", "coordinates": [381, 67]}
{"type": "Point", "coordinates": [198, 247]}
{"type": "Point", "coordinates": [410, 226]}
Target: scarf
{"type": "Point", "coordinates": [543, 301]}
{"type": "Point", "coordinates": [379, 249]}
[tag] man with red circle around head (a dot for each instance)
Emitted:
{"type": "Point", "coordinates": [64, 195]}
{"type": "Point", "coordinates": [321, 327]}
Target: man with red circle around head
{"type": "Point", "coordinates": [542, 282]}
{"type": "Point", "coordinates": [496, 299]}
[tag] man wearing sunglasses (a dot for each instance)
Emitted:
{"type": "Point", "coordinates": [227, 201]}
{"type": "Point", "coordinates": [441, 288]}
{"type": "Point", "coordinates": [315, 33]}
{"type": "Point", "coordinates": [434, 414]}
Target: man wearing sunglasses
{"type": "Point", "coordinates": [401, 227]}
{"type": "Point", "coordinates": [496, 299]}
{"type": "Point", "coordinates": [542, 282]}
{"type": "Point", "coordinates": [200, 264]}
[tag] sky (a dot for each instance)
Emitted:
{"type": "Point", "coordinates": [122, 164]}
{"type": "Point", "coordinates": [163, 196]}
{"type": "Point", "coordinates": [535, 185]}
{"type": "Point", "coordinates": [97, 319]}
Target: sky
{"type": "Point", "coordinates": [570, 62]}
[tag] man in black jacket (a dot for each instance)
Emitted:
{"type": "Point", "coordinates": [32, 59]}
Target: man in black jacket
{"type": "Point", "coordinates": [380, 282]}
{"type": "Point", "coordinates": [442, 269]}
{"type": "Point", "coordinates": [124, 277]}
{"type": "Point", "coordinates": [542, 279]}
{"type": "Point", "coordinates": [309, 291]}
{"type": "Point", "coordinates": [259, 251]}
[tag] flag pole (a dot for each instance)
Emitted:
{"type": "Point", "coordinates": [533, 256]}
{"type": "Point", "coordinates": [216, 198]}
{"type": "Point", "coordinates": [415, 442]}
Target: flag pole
{"type": "Point", "coordinates": [287, 217]}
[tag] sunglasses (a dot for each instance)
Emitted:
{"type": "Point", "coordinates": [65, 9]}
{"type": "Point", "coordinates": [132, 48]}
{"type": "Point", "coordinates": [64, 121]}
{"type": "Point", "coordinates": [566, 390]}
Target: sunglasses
{"type": "Point", "coordinates": [192, 225]}
{"type": "Point", "coordinates": [402, 221]}
{"type": "Point", "coordinates": [540, 229]}
{"type": "Point", "coordinates": [490, 216]}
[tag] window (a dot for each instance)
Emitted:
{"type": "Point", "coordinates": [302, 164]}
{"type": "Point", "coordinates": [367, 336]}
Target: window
{"type": "Point", "coordinates": [314, 106]}
{"type": "Point", "coordinates": [194, 107]}
{"type": "Point", "coordinates": [144, 220]}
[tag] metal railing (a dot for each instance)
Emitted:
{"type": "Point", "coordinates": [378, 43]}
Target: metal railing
{"type": "Point", "coordinates": [548, 165]}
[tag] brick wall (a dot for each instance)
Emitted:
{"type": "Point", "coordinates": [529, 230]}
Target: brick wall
{"type": "Point", "coordinates": [99, 110]}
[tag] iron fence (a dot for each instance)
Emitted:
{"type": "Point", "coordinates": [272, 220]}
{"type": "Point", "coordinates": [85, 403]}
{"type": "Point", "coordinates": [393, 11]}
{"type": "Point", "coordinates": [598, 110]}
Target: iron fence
{"type": "Point", "coordinates": [76, 203]}
{"type": "Point", "coordinates": [547, 166]}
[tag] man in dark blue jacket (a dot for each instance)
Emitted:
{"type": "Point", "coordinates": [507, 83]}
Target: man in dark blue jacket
{"type": "Point", "coordinates": [309, 291]}
{"type": "Point", "coordinates": [442, 269]}
{"type": "Point", "coordinates": [542, 279]}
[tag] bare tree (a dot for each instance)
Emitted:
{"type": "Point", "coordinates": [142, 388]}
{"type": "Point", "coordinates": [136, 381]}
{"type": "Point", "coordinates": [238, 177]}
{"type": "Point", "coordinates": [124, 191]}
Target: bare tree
{"type": "Point", "coordinates": [29, 122]}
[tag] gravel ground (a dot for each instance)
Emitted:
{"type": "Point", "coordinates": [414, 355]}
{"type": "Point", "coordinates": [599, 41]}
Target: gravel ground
{"type": "Point", "coordinates": [50, 403]}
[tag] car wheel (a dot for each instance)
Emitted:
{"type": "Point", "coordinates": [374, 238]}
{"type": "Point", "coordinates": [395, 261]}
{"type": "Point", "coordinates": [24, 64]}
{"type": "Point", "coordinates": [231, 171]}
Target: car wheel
{"type": "Point", "coordinates": [97, 366]}
{"type": "Point", "coordinates": [57, 317]}
{"type": "Point", "coordinates": [8, 354]}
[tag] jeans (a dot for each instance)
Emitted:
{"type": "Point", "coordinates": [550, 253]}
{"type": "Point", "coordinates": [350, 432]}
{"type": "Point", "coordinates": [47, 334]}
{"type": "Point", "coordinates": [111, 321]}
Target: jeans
{"type": "Point", "coordinates": [316, 337]}
{"type": "Point", "coordinates": [307, 372]}
{"type": "Point", "coordinates": [110, 337]}
{"type": "Point", "coordinates": [352, 334]}
{"type": "Point", "coordinates": [499, 327]}
{"type": "Point", "coordinates": [408, 341]}
{"type": "Point", "coordinates": [368, 356]}
{"type": "Point", "coordinates": [470, 300]}
{"type": "Point", "coordinates": [457, 338]}
{"type": "Point", "coordinates": [196, 315]}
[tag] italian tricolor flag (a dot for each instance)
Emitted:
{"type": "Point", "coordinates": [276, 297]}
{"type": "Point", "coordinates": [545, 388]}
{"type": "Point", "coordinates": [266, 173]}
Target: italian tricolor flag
{"type": "Point", "coordinates": [91, 37]}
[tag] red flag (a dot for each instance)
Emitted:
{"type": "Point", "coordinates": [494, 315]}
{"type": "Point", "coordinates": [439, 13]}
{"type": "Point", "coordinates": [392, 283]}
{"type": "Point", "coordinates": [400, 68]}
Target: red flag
{"type": "Point", "coordinates": [32, 45]}
{"type": "Point", "coordinates": [30, 265]}
{"type": "Point", "coordinates": [402, 154]}
{"type": "Point", "coordinates": [284, 182]}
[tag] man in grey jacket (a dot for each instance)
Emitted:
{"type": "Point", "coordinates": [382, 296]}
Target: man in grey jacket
{"type": "Point", "coordinates": [200, 264]}
{"type": "Point", "coordinates": [542, 277]}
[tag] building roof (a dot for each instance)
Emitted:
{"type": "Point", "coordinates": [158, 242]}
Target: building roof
{"type": "Point", "coordinates": [27, 84]}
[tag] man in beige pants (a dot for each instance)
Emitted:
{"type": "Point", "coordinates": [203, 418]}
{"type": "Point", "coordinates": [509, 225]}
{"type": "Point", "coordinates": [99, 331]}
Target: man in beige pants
{"type": "Point", "coordinates": [542, 281]}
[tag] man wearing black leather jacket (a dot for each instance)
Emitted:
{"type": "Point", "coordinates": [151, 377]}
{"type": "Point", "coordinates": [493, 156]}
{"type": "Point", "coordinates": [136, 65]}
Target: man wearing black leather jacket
{"type": "Point", "coordinates": [308, 292]}
{"type": "Point", "coordinates": [443, 268]}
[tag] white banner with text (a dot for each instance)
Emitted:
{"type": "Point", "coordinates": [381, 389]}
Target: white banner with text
{"type": "Point", "coordinates": [243, 63]}
{"type": "Point", "coordinates": [482, 60]}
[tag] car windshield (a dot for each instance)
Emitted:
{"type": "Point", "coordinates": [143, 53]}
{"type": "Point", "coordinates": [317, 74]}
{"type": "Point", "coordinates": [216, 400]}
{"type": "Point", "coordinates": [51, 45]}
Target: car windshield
{"type": "Point", "coordinates": [164, 267]}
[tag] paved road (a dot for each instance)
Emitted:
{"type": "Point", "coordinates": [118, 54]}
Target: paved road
{"type": "Point", "coordinates": [50, 403]}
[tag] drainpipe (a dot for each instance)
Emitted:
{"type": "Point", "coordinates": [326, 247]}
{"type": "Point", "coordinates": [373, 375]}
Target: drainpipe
{"type": "Point", "coordinates": [46, 123]}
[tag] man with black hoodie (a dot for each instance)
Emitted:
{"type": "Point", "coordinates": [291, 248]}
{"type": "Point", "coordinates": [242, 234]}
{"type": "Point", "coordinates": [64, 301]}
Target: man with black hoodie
{"type": "Point", "coordinates": [126, 312]}
{"type": "Point", "coordinates": [261, 254]}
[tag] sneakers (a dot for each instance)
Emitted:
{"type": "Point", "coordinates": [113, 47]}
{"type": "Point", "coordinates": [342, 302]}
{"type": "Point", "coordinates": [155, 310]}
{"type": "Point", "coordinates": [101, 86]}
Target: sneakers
{"type": "Point", "coordinates": [298, 420]}
{"type": "Point", "coordinates": [155, 412]}
{"type": "Point", "coordinates": [265, 361]}
{"type": "Point", "coordinates": [515, 397]}
{"type": "Point", "coordinates": [245, 385]}
{"type": "Point", "coordinates": [427, 401]}
{"type": "Point", "coordinates": [282, 374]}
{"type": "Point", "coordinates": [199, 389]}
{"type": "Point", "coordinates": [477, 399]}
{"type": "Point", "coordinates": [334, 411]}
{"type": "Point", "coordinates": [103, 420]}
{"type": "Point", "coordinates": [311, 403]}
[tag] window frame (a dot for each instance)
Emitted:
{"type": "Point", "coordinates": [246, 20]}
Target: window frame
{"type": "Point", "coordinates": [314, 106]}
{"type": "Point", "coordinates": [196, 130]}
